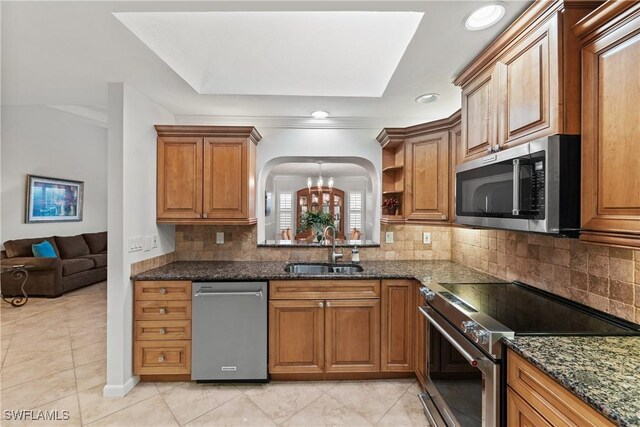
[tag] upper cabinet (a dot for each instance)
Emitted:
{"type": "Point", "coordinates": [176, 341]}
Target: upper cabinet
{"type": "Point", "coordinates": [417, 167]}
{"type": "Point", "coordinates": [206, 174]}
{"type": "Point", "coordinates": [526, 84]}
{"type": "Point", "coordinates": [611, 124]}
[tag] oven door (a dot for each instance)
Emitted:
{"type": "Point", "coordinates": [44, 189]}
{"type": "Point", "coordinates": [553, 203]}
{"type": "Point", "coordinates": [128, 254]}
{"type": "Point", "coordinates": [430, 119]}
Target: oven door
{"type": "Point", "coordinates": [459, 400]}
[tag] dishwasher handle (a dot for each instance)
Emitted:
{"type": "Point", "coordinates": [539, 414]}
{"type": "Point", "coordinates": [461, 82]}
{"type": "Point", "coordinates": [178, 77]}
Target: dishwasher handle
{"type": "Point", "coordinates": [201, 293]}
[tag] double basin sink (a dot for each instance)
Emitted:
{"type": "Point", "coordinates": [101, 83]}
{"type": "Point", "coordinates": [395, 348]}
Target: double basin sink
{"type": "Point", "coordinates": [323, 269]}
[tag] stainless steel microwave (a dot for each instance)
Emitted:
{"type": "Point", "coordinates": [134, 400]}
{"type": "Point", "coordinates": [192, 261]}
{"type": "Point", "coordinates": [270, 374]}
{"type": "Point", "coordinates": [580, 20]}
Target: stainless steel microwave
{"type": "Point", "coordinates": [531, 187]}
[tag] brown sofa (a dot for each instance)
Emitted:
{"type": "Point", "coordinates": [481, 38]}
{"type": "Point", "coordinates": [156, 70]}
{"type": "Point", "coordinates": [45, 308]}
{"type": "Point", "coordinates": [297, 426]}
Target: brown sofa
{"type": "Point", "coordinates": [81, 261]}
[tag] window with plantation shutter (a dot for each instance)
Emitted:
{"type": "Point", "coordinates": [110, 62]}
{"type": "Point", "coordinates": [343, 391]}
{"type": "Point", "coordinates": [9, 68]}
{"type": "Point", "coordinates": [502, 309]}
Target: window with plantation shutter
{"type": "Point", "coordinates": [285, 211]}
{"type": "Point", "coordinates": [355, 210]}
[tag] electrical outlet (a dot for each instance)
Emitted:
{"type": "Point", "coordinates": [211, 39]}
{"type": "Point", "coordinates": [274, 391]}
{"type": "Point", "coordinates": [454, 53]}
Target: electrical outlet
{"type": "Point", "coordinates": [389, 237]}
{"type": "Point", "coordinates": [426, 238]}
{"type": "Point", "coordinates": [219, 237]}
{"type": "Point", "coordinates": [154, 240]}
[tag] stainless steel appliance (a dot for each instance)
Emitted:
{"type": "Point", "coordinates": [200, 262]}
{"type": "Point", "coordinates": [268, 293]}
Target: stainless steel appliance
{"type": "Point", "coordinates": [530, 187]}
{"type": "Point", "coordinates": [229, 331]}
{"type": "Point", "coordinates": [473, 318]}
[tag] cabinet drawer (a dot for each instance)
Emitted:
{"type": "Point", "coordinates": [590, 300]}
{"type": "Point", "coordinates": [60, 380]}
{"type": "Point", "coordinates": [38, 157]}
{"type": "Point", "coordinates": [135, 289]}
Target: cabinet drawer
{"type": "Point", "coordinates": [555, 403]}
{"type": "Point", "coordinates": [162, 357]}
{"type": "Point", "coordinates": [163, 330]}
{"type": "Point", "coordinates": [162, 290]}
{"type": "Point", "coordinates": [162, 310]}
{"type": "Point", "coordinates": [324, 289]}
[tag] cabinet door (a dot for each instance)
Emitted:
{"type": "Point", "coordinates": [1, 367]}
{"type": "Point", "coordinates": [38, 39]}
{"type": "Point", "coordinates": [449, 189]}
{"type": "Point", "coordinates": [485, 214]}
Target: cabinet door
{"type": "Point", "coordinates": [521, 414]}
{"type": "Point", "coordinates": [455, 149]}
{"type": "Point", "coordinates": [296, 336]}
{"type": "Point", "coordinates": [225, 178]}
{"type": "Point", "coordinates": [427, 179]}
{"type": "Point", "coordinates": [530, 109]}
{"type": "Point", "coordinates": [611, 137]}
{"type": "Point", "coordinates": [397, 325]}
{"type": "Point", "coordinates": [352, 340]}
{"type": "Point", "coordinates": [479, 114]}
{"type": "Point", "coordinates": [179, 187]}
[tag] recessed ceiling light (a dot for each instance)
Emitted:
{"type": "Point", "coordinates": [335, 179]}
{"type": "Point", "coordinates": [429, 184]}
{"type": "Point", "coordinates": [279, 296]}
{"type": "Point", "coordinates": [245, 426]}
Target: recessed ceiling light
{"type": "Point", "coordinates": [427, 98]}
{"type": "Point", "coordinates": [320, 114]}
{"type": "Point", "coordinates": [484, 17]}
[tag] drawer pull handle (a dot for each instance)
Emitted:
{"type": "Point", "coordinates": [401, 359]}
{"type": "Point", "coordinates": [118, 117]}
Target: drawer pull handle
{"type": "Point", "coordinates": [161, 358]}
{"type": "Point", "coordinates": [163, 291]}
{"type": "Point", "coordinates": [163, 331]}
{"type": "Point", "coordinates": [163, 310]}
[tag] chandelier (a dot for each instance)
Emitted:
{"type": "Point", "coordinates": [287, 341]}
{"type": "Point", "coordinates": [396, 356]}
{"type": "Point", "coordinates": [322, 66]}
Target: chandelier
{"type": "Point", "coordinates": [319, 180]}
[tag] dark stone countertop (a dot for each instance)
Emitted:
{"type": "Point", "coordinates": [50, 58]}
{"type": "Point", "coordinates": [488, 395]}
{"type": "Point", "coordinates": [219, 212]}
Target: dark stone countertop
{"type": "Point", "coordinates": [602, 371]}
{"type": "Point", "coordinates": [425, 271]}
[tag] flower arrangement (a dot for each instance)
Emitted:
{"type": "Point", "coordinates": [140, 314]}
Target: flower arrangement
{"type": "Point", "coordinates": [391, 203]}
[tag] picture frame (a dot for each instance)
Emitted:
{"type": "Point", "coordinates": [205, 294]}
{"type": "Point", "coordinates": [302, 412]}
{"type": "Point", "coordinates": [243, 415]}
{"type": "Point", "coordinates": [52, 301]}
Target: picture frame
{"type": "Point", "coordinates": [53, 200]}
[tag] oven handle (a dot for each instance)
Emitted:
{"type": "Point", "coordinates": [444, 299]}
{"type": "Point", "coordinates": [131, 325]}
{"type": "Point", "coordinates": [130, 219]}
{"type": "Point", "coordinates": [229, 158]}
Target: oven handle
{"type": "Point", "coordinates": [472, 360]}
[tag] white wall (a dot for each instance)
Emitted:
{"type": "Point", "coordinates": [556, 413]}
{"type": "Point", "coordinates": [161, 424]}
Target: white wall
{"type": "Point", "coordinates": [132, 212]}
{"type": "Point", "coordinates": [39, 140]}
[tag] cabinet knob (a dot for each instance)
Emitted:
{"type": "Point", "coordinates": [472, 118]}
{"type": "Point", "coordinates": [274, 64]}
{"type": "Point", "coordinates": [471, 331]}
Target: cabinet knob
{"type": "Point", "coordinates": [163, 291]}
{"type": "Point", "coordinates": [321, 304]}
{"type": "Point", "coordinates": [328, 304]}
{"type": "Point", "coordinates": [163, 310]}
{"type": "Point", "coordinates": [204, 215]}
{"type": "Point", "coordinates": [163, 331]}
{"type": "Point", "coordinates": [161, 358]}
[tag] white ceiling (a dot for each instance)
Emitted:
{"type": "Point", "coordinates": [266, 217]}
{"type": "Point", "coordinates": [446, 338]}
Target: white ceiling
{"type": "Point", "coordinates": [278, 53]}
{"type": "Point", "coordinates": [64, 53]}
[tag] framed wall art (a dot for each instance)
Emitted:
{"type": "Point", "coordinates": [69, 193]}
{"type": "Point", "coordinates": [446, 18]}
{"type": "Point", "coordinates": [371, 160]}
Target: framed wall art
{"type": "Point", "coordinates": [53, 200]}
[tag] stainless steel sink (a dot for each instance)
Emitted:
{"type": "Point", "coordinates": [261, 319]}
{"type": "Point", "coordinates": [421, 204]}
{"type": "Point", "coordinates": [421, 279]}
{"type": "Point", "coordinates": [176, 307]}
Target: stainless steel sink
{"type": "Point", "coordinates": [322, 269]}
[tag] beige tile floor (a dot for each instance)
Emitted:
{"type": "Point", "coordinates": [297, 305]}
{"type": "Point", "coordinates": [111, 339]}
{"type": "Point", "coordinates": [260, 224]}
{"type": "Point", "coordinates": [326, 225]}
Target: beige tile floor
{"type": "Point", "coordinates": [53, 354]}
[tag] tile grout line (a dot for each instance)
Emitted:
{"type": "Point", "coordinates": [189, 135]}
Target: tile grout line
{"type": "Point", "coordinates": [75, 376]}
{"type": "Point", "coordinates": [167, 405]}
{"type": "Point", "coordinates": [322, 392]}
{"type": "Point", "coordinates": [258, 406]}
{"type": "Point", "coordinates": [119, 410]}
{"type": "Point", "coordinates": [393, 405]}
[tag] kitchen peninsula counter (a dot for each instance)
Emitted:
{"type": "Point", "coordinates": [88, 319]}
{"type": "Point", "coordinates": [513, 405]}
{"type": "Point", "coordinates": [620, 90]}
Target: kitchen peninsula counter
{"type": "Point", "coordinates": [424, 271]}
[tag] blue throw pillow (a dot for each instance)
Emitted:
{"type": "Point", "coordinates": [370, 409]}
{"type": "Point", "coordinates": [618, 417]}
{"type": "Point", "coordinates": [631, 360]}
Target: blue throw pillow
{"type": "Point", "coordinates": [43, 250]}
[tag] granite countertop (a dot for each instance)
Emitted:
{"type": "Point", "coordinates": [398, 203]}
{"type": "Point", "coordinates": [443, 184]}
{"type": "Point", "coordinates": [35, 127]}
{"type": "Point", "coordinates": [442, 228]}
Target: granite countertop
{"type": "Point", "coordinates": [602, 371]}
{"type": "Point", "coordinates": [425, 271]}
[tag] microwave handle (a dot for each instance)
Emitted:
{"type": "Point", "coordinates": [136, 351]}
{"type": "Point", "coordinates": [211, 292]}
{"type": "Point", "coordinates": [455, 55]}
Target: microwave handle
{"type": "Point", "coordinates": [516, 187]}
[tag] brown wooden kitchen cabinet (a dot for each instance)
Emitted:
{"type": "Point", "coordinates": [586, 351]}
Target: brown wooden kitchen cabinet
{"type": "Point", "coordinates": [417, 169]}
{"type": "Point", "coordinates": [397, 332]}
{"type": "Point", "coordinates": [525, 85]}
{"type": "Point", "coordinates": [610, 211]}
{"type": "Point", "coordinates": [206, 174]}
{"type": "Point", "coordinates": [324, 327]}
{"type": "Point", "coordinates": [162, 329]}
{"type": "Point", "coordinates": [479, 116]}
{"type": "Point", "coordinates": [420, 353]}
{"type": "Point", "coordinates": [535, 399]}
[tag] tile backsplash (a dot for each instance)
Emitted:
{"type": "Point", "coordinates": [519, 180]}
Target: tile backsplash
{"type": "Point", "coordinates": [240, 243]}
{"type": "Point", "coordinates": [603, 277]}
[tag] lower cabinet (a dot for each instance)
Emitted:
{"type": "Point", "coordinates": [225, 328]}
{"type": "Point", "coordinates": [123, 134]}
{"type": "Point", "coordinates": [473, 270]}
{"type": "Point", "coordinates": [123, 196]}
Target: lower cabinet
{"type": "Point", "coordinates": [162, 329]}
{"type": "Point", "coordinates": [318, 336]}
{"type": "Point", "coordinates": [338, 334]}
{"type": "Point", "coordinates": [535, 399]}
{"type": "Point", "coordinates": [397, 335]}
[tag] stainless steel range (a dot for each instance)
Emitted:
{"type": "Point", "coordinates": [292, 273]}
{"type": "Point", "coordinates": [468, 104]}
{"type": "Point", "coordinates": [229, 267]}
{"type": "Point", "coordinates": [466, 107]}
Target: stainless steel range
{"type": "Point", "coordinates": [474, 318]}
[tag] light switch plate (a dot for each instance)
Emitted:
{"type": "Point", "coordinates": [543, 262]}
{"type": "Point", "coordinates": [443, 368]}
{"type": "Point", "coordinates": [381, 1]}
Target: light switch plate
{"type": "Point", "coordinates": [389, 237]}
{"type": "Point", "coordinates": [426, 238]}
{"type": "Point", "coordinates": [154, 240]}
{"type": "Point", "coordinates": [219, 237]}
{"type": "Point", "coordinates": [148, 240]}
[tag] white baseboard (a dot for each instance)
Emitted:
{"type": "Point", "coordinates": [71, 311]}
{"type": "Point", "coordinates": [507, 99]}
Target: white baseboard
{"type": "Point", "coordinates": [120, 390]}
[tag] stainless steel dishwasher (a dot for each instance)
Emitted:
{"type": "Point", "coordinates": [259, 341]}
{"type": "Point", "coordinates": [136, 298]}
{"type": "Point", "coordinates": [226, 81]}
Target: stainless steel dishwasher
{"type": "Point", "coordinates": [229, 331]}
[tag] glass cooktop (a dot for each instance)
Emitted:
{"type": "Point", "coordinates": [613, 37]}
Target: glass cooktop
{"type": "Point", "coordinates": [530, 311]}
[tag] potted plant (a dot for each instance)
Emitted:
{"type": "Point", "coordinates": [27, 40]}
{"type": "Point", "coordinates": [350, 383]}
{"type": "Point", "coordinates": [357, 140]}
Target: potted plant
{"type": "Point", "coordinates": [316, 221]}
{"type": "Point", "coordinates": [391, 205]}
